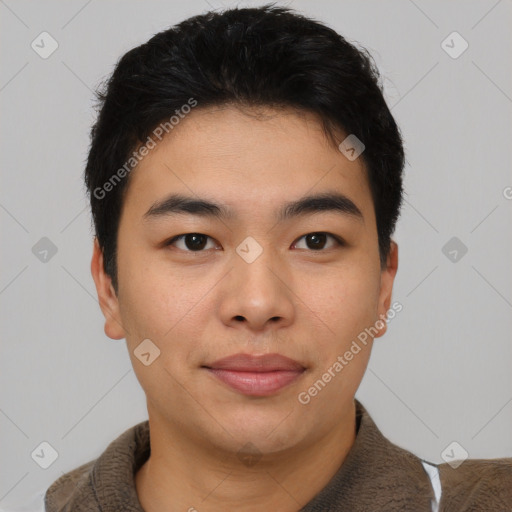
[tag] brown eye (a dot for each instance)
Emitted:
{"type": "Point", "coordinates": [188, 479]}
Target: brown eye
{"type": "Point", "coordinates": [192, 242]}
{"type": "Point", "coordinates": [318, 241]}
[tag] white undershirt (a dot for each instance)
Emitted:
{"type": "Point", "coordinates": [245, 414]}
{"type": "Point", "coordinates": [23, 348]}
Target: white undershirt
{"type": "Point", "coordinates": [433, 473]}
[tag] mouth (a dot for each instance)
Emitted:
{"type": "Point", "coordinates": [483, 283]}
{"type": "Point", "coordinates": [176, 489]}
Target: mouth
{"type": "Point", "coordinates": [252, 375]}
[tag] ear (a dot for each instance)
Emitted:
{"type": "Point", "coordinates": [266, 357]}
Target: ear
{"type": "Point", "coordinates": [387, 279]}
{"type": "Point", "coordinates": [107, 297]}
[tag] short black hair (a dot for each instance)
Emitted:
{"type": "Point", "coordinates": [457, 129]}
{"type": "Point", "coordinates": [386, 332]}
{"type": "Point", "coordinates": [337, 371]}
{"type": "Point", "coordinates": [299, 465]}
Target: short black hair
{"type": "Point", "coordinates": [246, 57]}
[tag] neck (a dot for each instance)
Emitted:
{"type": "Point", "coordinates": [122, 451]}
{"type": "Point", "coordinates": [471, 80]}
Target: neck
{"type": "Point", "coordinates": [183, 476]}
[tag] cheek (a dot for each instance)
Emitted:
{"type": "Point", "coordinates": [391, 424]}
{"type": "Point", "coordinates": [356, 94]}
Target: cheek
{"type": "Point", "coordinates": [167, 309]}
{"type": "Point", "coordinates": [345, 305]}
{"type": "Point", "coordinates": [165, 306]}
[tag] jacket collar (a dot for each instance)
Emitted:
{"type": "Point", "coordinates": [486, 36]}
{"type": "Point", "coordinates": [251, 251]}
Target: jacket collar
{"type": "Point", "coordinates": [376, 475]}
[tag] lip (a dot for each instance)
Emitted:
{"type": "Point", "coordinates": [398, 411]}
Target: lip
{"type": "Point", "coordinates": [254, 375]}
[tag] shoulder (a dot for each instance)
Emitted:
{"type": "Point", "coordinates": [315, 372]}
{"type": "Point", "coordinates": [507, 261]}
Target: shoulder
{"type": "Point", "coordinates": [477, 484]}
{"type": "Point", "coordinates": [71, 485]}
{"type": "Point", "coordinates": [105, 483]}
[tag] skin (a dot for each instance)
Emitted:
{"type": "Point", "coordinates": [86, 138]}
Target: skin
{"type": "Point", "coordinates": [198, 307]}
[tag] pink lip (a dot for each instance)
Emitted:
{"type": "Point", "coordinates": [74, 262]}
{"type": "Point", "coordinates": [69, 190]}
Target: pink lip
{"type": "Point", "coordinates": [256, 375]}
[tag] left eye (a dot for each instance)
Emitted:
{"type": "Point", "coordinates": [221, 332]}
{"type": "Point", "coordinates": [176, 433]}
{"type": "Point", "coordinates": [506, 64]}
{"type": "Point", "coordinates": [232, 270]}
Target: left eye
{"type": "Point", "coordinates": [317, 241]}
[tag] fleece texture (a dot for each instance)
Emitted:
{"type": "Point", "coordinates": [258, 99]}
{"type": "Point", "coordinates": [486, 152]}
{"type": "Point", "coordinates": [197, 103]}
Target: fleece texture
{"type": "Point", "coordinates": [376, 475]}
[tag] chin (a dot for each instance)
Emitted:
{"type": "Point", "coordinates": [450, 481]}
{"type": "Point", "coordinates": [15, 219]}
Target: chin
{"type": "Point", "coordinates": [270, 431]}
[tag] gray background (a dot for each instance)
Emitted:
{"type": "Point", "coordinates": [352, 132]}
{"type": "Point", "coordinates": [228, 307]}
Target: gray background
{"type": "Point", "coordinates": [441, 373]}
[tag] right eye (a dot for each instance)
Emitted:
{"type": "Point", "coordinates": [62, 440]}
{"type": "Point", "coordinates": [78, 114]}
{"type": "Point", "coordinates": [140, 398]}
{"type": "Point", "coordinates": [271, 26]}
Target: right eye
{"type": "Point", "coordinates": [191, 242]}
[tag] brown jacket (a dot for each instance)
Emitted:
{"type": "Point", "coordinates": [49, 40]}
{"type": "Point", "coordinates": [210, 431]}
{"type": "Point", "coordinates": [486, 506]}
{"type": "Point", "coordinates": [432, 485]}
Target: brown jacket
{"type": "Point", "coordinates": [377, 475]}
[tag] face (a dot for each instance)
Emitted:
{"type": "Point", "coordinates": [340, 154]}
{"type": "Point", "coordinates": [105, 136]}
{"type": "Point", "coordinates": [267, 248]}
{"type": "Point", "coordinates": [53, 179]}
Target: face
{"type": "Point", "coordinates": [250, 277]}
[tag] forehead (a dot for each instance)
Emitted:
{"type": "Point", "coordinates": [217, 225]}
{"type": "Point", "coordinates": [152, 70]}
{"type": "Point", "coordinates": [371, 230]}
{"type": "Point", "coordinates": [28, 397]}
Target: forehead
{"type": "Point", "coordinates": [249, 160]}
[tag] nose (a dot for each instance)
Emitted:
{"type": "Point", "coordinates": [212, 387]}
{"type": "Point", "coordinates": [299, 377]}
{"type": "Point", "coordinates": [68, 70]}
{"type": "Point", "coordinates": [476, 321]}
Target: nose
{"type": "Point", "coordinates": [257, 295]}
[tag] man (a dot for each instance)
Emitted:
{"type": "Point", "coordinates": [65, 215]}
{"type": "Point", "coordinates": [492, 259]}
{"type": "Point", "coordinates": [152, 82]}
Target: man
{"type": "Point", "coordinates": [245, 178]}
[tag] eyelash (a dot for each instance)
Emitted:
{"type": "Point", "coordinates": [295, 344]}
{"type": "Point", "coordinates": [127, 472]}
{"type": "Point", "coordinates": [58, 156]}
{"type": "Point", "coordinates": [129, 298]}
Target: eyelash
{"type": "Point", "coordinates": [339, 242]}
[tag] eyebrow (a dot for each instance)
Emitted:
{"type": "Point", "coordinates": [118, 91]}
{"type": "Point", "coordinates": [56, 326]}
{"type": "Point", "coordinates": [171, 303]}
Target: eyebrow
{"type": "Point", "coordinates": [176, 204]}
